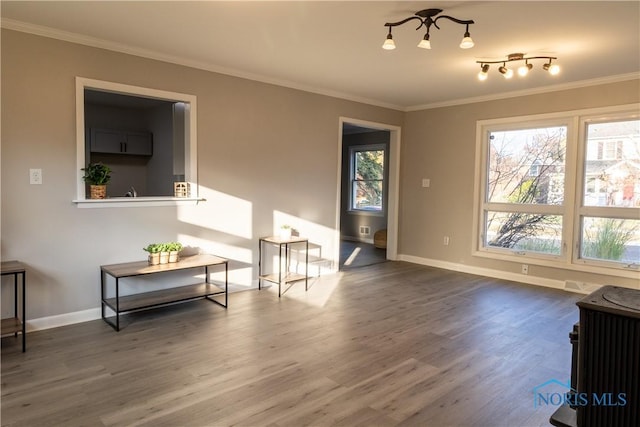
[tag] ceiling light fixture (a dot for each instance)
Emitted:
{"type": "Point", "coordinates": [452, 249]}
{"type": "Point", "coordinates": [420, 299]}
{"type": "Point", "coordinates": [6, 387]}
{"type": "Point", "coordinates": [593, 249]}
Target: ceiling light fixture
{"type": "Point", "coordinates": [523, 70]}
{"type": "Point", "coordinates": [427, 17]}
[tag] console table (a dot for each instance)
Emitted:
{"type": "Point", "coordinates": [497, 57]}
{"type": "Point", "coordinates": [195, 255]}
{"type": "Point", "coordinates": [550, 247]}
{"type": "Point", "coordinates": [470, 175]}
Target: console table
{"type": "Point", "coordinates": [13, 325]}
{"type": "Point", "coordinates": [283, 277]}
{"type": "Point", "coordinates": [145, 300]}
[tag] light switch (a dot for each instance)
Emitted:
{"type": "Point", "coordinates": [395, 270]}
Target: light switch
{"type": "Point", "coordinates": [426, 182]}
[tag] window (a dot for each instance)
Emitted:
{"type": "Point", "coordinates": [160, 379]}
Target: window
{"type": "Point", "coordinates": [159, 133]}
{"type": "Point", "coordinates": [367, 178]}
{"type": "Point", "coordinates": [610, 206]}
{"type": "Point", "coordinates": [549, 180]}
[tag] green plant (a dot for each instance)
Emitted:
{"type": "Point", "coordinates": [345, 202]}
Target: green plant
{"type": "Point", "coordinates": [174, 246]}
{"type": "Point", "coordinates": [609, 240]}
{"type": "Point", "coordinates": [153, 248]}
{"type": "Point", "coordinates": [285, 226]}
{"type": "Point", "coordinates": [97, 174]}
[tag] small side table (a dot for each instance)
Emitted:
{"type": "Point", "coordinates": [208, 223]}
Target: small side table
{"type": "Point", "coordinates": [13, 325]}
{"type": "Point", "coordinates": [283, 276]}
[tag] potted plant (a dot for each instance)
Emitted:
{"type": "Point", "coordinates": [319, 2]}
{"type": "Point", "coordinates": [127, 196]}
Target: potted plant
{"type": "Point", "coordinates": [164, 253]}
{"type": "Point", "coordinates": [174, 251]}
{"type": "Point", "coordinates": [97, 175]}
{"type": "Point", "coordinates": [154, 253]}
{"type": "Point", "coordinates": [285, 232]}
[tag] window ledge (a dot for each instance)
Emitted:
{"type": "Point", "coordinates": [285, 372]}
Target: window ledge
{"type": "Point", "coordinates": [135, 202]}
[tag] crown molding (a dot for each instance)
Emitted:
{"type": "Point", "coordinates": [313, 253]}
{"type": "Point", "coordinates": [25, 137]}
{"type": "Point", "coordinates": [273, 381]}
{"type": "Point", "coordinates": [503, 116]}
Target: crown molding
{"type": "Point", "coordinates": [70, 37]}
{"type": "Point", "coordinates": [525, 92]}
{"type": "Point", "coordinates": [76, 38]}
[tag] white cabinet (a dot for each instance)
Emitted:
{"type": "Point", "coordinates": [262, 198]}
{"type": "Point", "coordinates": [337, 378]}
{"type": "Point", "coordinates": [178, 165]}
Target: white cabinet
{"type": "Point", "coordinates": [112, 141]}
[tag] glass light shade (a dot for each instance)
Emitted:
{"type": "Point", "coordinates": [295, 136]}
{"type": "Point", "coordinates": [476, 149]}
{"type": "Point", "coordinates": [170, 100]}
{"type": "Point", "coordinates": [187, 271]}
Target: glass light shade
{"type": "Point", "coordinates": [424, 44]}
{"type": "Point", "coordinates": [554, 69]}
{"type": "Point", "coordinates": [466, 43]}
{"type": "Point", "coordinates": [388, 44]}
{"type": "Point", "coordinates": [482, 76]}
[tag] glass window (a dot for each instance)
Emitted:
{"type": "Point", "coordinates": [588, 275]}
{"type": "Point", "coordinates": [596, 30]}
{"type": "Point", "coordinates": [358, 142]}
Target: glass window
{"type": "Point", "coordinates": [610, 209]}
{"type": "Point", "coordinates": [367, 179]}
{"type": "Point", "coordinates": [526, 168]}
{"type": "Point", "coordinates": [544, 182]}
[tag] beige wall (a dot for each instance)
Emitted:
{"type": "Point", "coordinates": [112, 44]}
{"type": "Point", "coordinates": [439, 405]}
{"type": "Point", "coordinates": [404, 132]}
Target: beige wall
{"type": "Point", "coordinates": [440, 144]}
{"type": "Point", "coordinates": [262, 149]}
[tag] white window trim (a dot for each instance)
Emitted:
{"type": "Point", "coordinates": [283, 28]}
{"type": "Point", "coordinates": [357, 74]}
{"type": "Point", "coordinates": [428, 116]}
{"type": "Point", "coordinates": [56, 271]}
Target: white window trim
{"type": "Point", "coordinates": [365, 147]}
{"type": "Point", "coordinates": [569, 258]}
{"type": "Point", "coordinates": [191, 146]}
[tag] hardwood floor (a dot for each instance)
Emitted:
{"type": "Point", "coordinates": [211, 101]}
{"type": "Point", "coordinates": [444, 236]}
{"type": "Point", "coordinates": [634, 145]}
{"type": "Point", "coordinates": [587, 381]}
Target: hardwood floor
{"type": "Point", "coordinates": [392, 344]}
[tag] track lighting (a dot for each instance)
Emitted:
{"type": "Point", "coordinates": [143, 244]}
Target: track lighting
{"type": "Point", "coordinates": [426, 18]}
{"type": "Point", "coordinates": [523, 70]}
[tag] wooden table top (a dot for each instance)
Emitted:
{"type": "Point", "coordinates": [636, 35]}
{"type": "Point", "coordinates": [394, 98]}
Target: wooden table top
{"type": "Point", "coordinates": [12, 267]}
{"type": "Point", "coordinates": [139, 268]}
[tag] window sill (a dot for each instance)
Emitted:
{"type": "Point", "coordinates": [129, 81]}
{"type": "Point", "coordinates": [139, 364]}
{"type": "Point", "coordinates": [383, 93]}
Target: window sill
{"type": "Point", "coordinates": [135, 202]}
{"type": "Point", "coordinates": [365, 212]}
{"type": "Point", "coordinates": [561, 263]}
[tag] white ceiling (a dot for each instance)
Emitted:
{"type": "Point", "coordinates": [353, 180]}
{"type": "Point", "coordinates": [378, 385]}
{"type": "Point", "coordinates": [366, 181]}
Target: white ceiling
{"type": "Point", "coordinates": [334, 48]}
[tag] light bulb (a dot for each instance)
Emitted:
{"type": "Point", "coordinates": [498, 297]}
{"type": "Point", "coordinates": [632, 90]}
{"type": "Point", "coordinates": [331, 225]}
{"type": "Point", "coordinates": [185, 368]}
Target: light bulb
{"type": "Point", "coordinates": [483, 74]}
{"type": "Point", "coordinates": [524, 69]}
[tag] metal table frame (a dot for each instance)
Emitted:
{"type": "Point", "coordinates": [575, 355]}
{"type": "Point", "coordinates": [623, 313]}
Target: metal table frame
{"type": "Point", "coordinates": [287, 277]}
{"type": "Point", "coordinates": [17, 324]}
{"type": "Point", "coordinates": [164, 296]}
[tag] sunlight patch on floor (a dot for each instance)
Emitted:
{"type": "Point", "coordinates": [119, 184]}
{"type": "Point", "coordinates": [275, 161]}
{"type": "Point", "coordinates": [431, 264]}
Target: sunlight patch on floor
{"type": "Point", "coordinates": [352, 257]}
{"type": "Point", "coordinates": [320, 290]}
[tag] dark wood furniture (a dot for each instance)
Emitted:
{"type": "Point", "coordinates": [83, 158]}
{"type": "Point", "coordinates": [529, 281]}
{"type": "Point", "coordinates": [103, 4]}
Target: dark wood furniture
{"type": "Point", "coordinates": [13, 325]}
{"type": "Point", "coordinates": [142, 301]}
{"type": "Point", "coordinates": [283, 275]}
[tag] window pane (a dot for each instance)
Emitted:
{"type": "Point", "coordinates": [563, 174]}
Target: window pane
{"type": "Point", "coordinates": [612, 164]}
{"type": "Point", "coordinates": [527, 166]}
{"type": "Point", "coordinates": [524, 232]}
{"type": "Point", "coordinates": [367, 195]}
{"type": "Point", "coordinates": [369, 164]}
{"type": "Point", "coordinates": [611, 239]}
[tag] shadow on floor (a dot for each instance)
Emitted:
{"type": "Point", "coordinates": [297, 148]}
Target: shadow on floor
{"type": "Point", "coordinates": [358, 254]}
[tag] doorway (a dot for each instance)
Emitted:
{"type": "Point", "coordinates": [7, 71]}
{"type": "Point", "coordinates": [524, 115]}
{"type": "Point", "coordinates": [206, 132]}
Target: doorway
{"type": "Point", "coordinates": [368, 193]}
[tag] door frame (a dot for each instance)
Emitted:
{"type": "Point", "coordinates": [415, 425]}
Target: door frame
{"type": "Point", "coordinates": [393, 196]}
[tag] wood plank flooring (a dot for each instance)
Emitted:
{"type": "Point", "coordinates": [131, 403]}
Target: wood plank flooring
{"type": "Point", "coordinates": [392, 344]}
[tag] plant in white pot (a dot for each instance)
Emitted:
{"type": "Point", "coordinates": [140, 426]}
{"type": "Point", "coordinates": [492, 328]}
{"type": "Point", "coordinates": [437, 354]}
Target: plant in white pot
{"type": "Point", "coordinates": [174, 251]}
{"type": "Point", "coordinates": [154, 253]}
{"type": "Point", "coordinates": [97, 175]}
{"type": "Point", "coordinates": [285, 232]}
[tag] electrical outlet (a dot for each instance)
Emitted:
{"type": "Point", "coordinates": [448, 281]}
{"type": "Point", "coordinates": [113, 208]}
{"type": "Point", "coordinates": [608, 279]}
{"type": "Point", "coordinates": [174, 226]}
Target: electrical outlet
{"type": "Point", "coordinates": [446, 241]}
{"type": "Point", "coordinates": [525, 269]}
{"type": "Point", "coordinates": [35, 176]}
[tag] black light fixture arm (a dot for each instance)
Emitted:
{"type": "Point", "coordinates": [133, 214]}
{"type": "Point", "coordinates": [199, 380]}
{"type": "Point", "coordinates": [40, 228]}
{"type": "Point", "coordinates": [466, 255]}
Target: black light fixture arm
{"type": "Point", "coordinates": [427, 18]}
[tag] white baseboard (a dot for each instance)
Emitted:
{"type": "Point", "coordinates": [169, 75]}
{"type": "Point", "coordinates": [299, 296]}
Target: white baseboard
{"type": "Point", "coordinates": [488, 272]}
{"type": "Point", "coordinates": [94, 313]}
{"type": "Point", "coordinates": [63, 319]}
